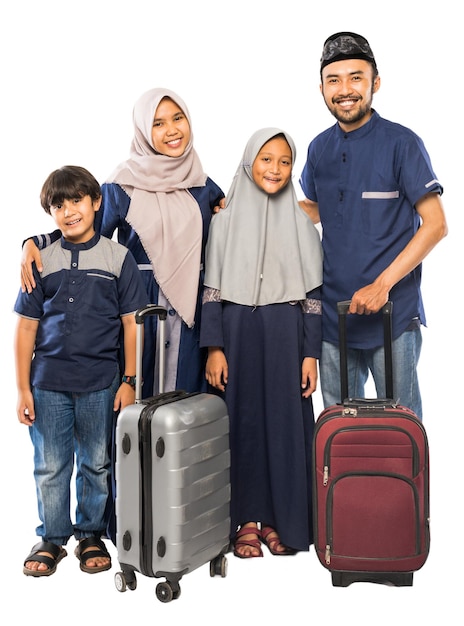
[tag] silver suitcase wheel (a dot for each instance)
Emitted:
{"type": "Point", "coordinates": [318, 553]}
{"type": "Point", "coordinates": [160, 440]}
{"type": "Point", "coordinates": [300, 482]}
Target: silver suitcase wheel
{"type": "Point", "coordinates": [167, 591]}
{"type": "Point", "coordinates": [218, 566]}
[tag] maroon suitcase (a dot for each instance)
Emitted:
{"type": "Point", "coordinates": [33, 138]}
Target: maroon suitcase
{"type": "Point", "coordinates": [370, 483]}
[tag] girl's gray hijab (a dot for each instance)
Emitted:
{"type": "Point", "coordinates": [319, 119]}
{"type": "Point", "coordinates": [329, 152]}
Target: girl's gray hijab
{"type": "Point", "coordinates": [262, 248]}
{"type": "Point", "coordinates": [162, 212]}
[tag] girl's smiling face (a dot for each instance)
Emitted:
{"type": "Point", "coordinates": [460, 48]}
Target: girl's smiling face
{"type": "Point", "coordinates": [272, 167]}
{"type": "Point", "coordinates": [171, 130]}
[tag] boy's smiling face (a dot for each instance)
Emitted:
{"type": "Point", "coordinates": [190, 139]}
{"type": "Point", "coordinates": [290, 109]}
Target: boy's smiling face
{"type": "Point", "coordinates": [75, 218]}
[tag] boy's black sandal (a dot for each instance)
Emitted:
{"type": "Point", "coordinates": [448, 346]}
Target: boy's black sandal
{"type": "Point", "coordinates": [57, 553]}
{"type": "Point", "coordinates": [99, 550]}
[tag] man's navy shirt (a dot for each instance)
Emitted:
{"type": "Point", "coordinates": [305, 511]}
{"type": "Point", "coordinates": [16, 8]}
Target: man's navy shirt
{"type": "Point", "coordinates": [366, 183]}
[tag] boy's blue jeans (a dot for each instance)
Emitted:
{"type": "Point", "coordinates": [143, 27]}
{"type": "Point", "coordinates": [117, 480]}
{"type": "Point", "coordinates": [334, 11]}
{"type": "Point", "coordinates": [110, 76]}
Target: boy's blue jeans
{"type": "Point", "coordinates": [406, 352]}
{"type": "Point", "coordinates": [69, 425]}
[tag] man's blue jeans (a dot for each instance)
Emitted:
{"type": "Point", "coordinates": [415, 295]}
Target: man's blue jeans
{"type": "Point", "coordinates": [406, 352]}
{"type": "Point", "coordinates": [66, 425]}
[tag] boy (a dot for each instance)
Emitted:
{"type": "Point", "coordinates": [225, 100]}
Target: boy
{"type": "Point", "coordinates": [67, 365]}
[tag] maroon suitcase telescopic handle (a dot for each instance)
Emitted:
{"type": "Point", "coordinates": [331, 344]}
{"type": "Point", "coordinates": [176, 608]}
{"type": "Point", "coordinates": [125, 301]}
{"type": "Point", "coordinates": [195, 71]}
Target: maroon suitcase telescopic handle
{"type": "Point", "coordinates": [387, 309]}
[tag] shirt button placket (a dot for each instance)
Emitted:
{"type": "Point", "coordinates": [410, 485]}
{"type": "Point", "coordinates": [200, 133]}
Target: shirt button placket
{"type": "Point", "coordinates": [71, 289]}
{"type": "Point", "coordinates": [341, 188]}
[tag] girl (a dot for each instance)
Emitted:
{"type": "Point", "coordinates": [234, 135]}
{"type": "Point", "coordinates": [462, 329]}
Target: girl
{"type": "Point", "coordinates": [262, 325]}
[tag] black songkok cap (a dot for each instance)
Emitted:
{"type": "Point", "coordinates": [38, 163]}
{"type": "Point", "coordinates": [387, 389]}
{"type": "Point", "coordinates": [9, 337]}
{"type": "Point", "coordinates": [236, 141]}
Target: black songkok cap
{"type": "Point", "coordinates": [342, 46]}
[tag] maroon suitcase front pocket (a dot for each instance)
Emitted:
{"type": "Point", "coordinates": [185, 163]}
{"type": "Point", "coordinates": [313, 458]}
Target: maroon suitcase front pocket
{"type": "Point", "coordinates": [372, 516]}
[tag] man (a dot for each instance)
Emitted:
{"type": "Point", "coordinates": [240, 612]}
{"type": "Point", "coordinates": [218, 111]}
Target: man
{"type": "Point", "coordinates": [370, 184]}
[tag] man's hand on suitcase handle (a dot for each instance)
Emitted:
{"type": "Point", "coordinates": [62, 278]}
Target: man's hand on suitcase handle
{"type": "Point", "coordinates": [344, 307]}
{"type": "Point", "coordinates": [368, 299]}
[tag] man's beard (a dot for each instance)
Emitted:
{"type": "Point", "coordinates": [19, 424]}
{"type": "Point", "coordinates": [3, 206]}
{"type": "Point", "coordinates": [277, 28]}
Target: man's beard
{"type": "Point", "coordinates": [353, 116]}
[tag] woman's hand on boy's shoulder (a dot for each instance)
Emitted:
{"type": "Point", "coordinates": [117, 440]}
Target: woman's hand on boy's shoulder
{"type": "Point", "coordinates": [30, 255]}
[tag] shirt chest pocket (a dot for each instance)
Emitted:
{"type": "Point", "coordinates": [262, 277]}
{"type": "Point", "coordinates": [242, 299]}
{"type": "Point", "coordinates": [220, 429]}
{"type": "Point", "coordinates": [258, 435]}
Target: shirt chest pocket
{"type": "Point", "coordinates": [99, 292]}
{"type": "Point", "coordinates": [379, 211]}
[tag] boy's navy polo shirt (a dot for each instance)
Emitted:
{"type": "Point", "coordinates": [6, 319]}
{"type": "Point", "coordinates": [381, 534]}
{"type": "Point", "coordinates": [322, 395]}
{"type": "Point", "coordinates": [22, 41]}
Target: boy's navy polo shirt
{"type": "Point", "coordinates": [366, 183]}
{"type": "Point", "coordinates": [80, 296]}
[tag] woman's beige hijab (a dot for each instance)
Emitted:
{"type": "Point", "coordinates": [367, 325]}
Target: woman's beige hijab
{"type": "Point", "coordinates": [162, 212]}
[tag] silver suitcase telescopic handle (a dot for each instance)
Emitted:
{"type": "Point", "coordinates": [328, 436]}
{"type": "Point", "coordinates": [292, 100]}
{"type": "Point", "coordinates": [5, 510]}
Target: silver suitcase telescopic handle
{"type": "Point", "coordinates": [140, 316]}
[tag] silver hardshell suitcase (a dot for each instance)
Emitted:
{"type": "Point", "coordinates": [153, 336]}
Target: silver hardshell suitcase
{"type": "Point", "coordinates": [172, 482]}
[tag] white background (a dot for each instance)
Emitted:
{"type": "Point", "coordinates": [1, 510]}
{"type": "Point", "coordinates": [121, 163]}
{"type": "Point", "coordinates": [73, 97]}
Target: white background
{"type": "Point", "coordinates": [71, 72]}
